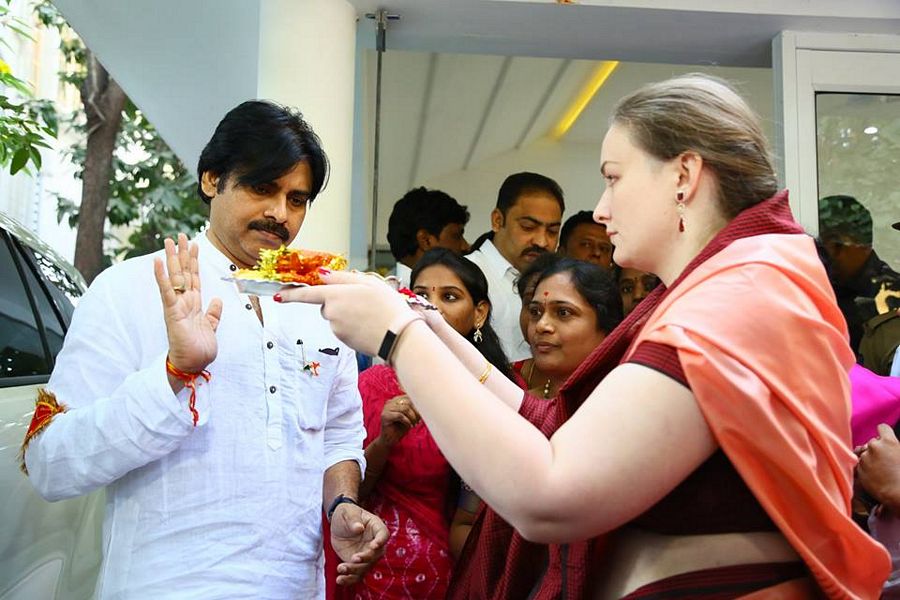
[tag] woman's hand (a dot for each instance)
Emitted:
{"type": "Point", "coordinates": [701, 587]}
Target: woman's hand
{"type": "Point", "coordinates": [191, 332]}
{"type": "Point", "coordinates": [397, 417]}
{"type": "Point", "coordinates": [360, 308]}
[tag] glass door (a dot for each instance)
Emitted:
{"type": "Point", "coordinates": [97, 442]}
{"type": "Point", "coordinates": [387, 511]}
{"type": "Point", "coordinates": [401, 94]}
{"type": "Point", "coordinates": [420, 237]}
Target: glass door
{"type": "Point", "coordinates": [841, 147]}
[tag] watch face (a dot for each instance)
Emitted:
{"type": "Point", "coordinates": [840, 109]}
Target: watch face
{"type": "Point", "coordinates": [387, 344]}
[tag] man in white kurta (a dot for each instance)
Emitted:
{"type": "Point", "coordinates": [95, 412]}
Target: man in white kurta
{"type": "Point", "coordinates": [505, 302]}
{"type": "Point", "coordinates": [230, 507]}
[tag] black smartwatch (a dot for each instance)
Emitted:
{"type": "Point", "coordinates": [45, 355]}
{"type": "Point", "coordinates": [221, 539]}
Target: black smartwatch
{"type": "Point", "coordinates": [339, 499]}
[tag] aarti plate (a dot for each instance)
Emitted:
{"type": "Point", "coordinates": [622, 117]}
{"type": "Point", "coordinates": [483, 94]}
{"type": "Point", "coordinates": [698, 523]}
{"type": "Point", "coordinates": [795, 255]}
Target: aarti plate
{"type": "Point", "coordinates": [262, 287]}
{"type": "Point", "coordinates": [268, 287]}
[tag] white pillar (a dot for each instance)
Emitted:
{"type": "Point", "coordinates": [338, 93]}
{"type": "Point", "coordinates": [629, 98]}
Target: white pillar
{"type": "Point", "coordinates": [307, 52]}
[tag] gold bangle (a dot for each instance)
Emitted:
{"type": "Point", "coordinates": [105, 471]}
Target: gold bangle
{"type": "Point", "coordinates": [487, 373]}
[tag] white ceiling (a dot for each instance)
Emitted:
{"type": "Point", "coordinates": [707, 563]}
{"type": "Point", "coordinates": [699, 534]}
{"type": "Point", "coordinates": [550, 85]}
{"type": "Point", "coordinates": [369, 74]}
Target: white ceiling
{"type": "Point", "coordinates": [463, 122]}
{"type": "Point", "coordinates": [444, 112]}
{"type": "Point", "coordinates": [700, 32]}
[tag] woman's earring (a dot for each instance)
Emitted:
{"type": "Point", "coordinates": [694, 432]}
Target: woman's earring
{"type": "Point", "coordinates": [679, 205]}
{"type": "Point", "coordinates": [478, 337]}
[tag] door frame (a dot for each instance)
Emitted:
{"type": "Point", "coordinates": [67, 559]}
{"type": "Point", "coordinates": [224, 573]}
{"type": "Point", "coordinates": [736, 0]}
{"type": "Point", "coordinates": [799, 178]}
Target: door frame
{"type": "Point", "coordinates": [803, 64]}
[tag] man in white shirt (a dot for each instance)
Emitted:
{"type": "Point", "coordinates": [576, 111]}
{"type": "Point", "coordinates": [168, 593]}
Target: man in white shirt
{"type": "Point", "coordinates": [421, 220]}
{"type": "Point", "coordinates": [218, 493]}
{"type": "Point", "coordinates": [525, 223]}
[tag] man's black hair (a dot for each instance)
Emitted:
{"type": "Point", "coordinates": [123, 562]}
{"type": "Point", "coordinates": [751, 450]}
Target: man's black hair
{"type": "Point", "coordinates": [579, 218]}
{"type": "Point", "coordinates": [420, 208]}
{"type": "Point", "coordinates": [259, 141]}
{"type": "Point", "coordinates": [518, 184]}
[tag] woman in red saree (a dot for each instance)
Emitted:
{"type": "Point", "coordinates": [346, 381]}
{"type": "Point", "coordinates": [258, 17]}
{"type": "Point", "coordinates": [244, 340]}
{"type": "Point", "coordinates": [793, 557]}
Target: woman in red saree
{"type": "Point", "coordinates": [408, 482]}
{"type": "Point", "coordinates": [525, 373]}
{"type": "Point", "coordinates": [570, 307]}
{"type": "Point", "coordinates": [707, 439]}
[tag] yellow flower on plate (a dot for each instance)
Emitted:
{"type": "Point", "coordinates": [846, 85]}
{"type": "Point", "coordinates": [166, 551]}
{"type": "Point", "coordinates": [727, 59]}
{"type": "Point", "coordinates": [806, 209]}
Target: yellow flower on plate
{"type": "Point", "coordinates": [4, 68]}
{"type": "Point", "coordinates": [292, 266]}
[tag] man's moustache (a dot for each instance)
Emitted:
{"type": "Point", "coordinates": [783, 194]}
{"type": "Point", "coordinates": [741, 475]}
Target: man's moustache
{"type": "Point", "coordinates": [270, 227]}
{"type": "Point", "coordinates": [534, 250]}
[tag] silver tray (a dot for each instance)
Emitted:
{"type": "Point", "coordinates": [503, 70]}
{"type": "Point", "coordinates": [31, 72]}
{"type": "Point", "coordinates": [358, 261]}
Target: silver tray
{"type": "Point", "coordinates": [262, 287]}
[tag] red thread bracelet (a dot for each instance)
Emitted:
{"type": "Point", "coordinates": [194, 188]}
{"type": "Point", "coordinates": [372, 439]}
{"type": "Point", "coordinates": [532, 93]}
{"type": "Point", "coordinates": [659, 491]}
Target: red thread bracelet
{"type": "Point", "coordinates": [189, 380]}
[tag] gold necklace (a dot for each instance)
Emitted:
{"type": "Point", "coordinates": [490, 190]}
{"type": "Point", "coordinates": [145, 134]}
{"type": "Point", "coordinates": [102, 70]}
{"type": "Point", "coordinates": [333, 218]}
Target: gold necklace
{"type": "Point", "coordinates": [528, 380]}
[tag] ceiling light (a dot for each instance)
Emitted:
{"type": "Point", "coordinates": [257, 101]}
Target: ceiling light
{"type": "Point", "coordinates": [598, 78]}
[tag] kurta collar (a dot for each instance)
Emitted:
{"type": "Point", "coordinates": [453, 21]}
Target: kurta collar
{"type": "Point", "coordinates": [497, 261]}
{"type": "Point", "coordinates": [213, 257]}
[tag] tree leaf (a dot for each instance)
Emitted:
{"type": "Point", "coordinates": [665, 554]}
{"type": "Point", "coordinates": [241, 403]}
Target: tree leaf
{"type": "Point", "coordinates": [19, 160]}
{"type": "Point", "coordinates": [35, 156]}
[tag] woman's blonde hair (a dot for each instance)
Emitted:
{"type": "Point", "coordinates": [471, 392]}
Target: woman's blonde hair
{"type": "Point", "coordinates": [703, 114]}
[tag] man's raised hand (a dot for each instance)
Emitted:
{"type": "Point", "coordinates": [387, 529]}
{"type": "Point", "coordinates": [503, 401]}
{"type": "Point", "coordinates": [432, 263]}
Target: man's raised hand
{"type": "Point", "coordinates": [191, 331]}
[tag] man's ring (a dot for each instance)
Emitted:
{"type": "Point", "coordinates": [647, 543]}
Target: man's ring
{"type": "Point", "coordinates": [178, 289]}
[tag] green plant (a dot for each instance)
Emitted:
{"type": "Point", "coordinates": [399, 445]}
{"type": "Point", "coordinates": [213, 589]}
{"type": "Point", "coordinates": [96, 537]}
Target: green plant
{"type": "Point", "coordinates": [26, 124]}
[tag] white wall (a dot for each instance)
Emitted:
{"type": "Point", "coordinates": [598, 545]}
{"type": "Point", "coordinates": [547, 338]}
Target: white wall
{"type": "Point", "coordinates": [307, 56]}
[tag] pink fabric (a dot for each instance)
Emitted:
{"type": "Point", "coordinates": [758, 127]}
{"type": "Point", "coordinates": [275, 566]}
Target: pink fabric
{"type": "Point", "coordinates": [800, 354]}
{"type": "Point", "coordinates": [875, 399]}
{"type": "Point", "coordinates": [411, 497]}
{"type": "Point", "coordinates": [769, 375]}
